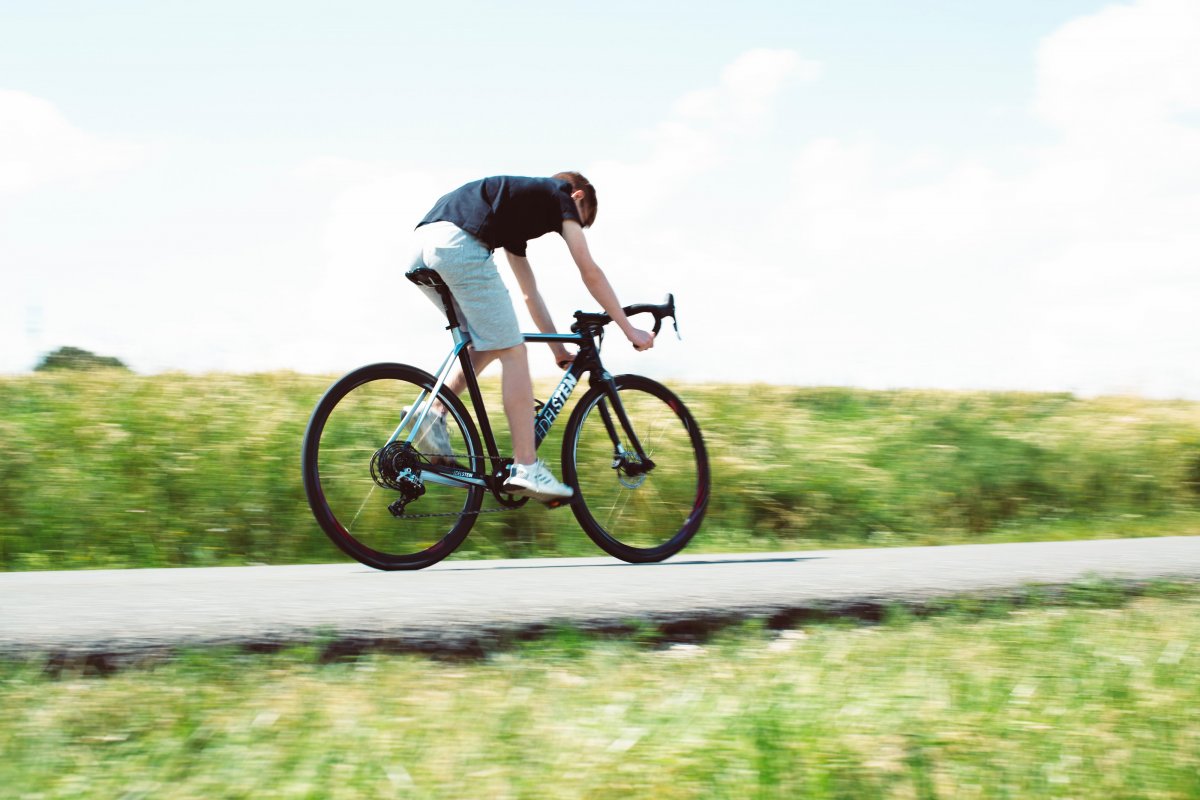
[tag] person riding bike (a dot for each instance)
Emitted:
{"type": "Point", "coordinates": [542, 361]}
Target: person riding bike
{"type": "Point", "coordinates": [456, 239]}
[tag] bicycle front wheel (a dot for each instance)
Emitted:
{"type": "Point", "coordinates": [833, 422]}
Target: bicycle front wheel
{"type": "Point", "coordinates": [639, 511]}
{"type": "Point", "coordinates": [353, 462]}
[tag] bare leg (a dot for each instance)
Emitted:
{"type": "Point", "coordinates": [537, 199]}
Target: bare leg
{"type": "Point", "coordinates": [518, 401]}
{"type": "Point", "coordinates": [517, 387]}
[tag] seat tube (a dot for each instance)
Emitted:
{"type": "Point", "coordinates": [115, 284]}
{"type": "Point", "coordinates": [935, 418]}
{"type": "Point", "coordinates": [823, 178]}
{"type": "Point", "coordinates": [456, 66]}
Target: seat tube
{"type": "Point", "coordinates": [481, 415]}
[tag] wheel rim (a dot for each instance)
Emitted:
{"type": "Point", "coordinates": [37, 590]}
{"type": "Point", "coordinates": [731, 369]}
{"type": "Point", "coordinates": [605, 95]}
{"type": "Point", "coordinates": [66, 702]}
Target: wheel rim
{"type": "Point", "coordinates": [648, 511]}
{"type": "Point", "coordinates": [355, 428]}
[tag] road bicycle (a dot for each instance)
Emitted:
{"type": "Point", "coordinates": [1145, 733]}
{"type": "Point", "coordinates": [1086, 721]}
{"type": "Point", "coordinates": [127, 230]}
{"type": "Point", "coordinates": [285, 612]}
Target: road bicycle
{"type": "Point", "coordinates": [631, 450]}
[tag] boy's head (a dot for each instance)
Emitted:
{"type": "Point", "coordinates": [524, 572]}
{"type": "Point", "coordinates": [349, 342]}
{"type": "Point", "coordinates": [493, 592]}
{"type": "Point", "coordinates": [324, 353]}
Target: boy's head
{"type": "Point", "coordinates": [584, 195]}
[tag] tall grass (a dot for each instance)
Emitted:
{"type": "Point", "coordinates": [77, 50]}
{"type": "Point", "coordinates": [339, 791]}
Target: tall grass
{"type": "Point", "coordinates": [106, 469]}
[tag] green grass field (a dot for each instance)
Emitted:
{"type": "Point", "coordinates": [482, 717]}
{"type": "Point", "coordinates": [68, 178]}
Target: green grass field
{"type": "Point", "coordinates": [1098, 699]}
{"type": "Point", "coordinates": [108, 469]}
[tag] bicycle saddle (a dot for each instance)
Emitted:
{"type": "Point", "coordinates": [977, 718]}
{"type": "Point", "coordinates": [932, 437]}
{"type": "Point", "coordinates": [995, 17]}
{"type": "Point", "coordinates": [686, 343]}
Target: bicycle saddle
{"type": "Point", "coordinates": [425, 277]}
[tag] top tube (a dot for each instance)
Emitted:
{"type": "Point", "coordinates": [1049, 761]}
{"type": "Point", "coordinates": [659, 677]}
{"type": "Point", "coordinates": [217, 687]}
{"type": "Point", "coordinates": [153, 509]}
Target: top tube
{"type": "Point", "coordinates": [553, 337]}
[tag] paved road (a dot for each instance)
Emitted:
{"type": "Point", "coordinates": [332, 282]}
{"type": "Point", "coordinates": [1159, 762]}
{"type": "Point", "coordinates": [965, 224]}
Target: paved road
{"type": "Point", "coordinates": [465, 603]}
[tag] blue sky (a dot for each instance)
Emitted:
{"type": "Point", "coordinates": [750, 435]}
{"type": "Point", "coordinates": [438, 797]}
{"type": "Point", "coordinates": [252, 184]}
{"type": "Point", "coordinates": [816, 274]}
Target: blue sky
{"type": "Point", "coordinates": [288, 77]}
{"type": "Point", "coordinates": [961, 195]}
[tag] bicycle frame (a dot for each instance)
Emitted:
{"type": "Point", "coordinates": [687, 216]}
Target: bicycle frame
{"type": "Point", "coordinates": [586, 361]}
{"type": "Point", "coordinates": [585, 334]}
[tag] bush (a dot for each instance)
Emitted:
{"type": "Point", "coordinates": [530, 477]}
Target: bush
{"type": "Point", "coordinates": [77, 359]}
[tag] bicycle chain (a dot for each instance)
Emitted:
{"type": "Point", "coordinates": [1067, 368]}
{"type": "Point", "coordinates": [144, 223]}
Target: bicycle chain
{"type": "Point", "coordinates": [457, 513]}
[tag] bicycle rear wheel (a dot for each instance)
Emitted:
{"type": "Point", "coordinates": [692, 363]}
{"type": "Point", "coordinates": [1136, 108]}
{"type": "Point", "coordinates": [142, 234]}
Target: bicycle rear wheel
{"type": "Point", "coordinates": [635, 511]}
{"type": "Point", "coordinates": [351, 480]}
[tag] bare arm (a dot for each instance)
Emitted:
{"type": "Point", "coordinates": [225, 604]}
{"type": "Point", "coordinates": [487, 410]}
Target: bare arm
{"type": "Point", "coordinates": [537, 307]}
{"type": "Point", "coordinates": [598, 286]}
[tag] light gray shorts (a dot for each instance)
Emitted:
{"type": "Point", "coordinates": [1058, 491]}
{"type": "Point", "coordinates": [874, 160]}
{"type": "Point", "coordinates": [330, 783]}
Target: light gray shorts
{"type": "Point", "coordinates": [481, 299]}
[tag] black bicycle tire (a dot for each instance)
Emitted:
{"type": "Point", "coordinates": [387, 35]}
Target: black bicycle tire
{"type": "Point", "coordinates": [325, 517]}
{"type": "Point", "coordinates": [604, 539]}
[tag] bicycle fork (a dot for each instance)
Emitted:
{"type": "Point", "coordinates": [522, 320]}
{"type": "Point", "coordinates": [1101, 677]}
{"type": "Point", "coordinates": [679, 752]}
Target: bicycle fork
{"type": "Point", "coordinates": [621, 461]}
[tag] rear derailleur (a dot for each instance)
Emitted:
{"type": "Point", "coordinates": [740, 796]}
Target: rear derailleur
{"type": "Point", "coordinates": [396, 466]}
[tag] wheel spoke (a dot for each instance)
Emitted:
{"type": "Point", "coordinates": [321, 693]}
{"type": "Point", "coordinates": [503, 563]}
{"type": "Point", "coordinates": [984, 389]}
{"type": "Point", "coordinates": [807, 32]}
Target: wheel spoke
{"type": "Point", "coordinates": [345, 455]}
{"type": "Point", "coordinates": [657, 516]}
{"type": "Point", "coordinates": [358, 513]}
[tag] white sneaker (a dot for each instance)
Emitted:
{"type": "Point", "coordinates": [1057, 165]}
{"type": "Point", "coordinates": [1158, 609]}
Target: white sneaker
{"type": "Point", "coordinates": [534, 480]}
{"type": "Point", "coordinates": [433, 441]}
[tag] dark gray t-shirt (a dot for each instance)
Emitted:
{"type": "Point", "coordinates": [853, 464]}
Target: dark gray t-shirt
{"type": "Point", "coordinates": [507, 210]}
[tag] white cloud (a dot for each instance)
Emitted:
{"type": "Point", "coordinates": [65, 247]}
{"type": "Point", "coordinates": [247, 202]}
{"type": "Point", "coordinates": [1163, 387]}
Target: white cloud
{"type": "Point", "coordinates": [1076, 272]}
{"type": "Point", "coordinates": [668, 224]}
{"type": "Point", "coordinates": [747, 88]}
{"type": "Point", "coordinates": [884, 267]}
{"type": "Point", "coordinates": [39, 146]}
{"type": "Point", "coordinates": [1122, 70]}
{"type": "Point", "coordinates": [361, 307]}
{"type": "Point", "coordinates": [702, 131]}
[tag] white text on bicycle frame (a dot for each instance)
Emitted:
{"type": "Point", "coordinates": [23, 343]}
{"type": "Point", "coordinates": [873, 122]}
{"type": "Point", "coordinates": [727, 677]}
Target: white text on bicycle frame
{"type": "Point", "coordinates": [554, 405]}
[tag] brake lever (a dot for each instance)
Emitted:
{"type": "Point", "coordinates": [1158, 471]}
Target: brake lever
{"type": "Point", "coordinates": [671, 313]}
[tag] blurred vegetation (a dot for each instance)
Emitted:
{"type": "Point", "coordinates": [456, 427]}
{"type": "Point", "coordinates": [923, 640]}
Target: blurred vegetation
{"type": "Point", "coordinates": [1096, 701]}
{"type": "Point", "coordinates": [76, 358]}
{"type": "Point", "coordinates": [108, 469]}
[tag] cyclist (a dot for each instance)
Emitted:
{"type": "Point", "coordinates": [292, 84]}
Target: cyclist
{"type": "Point", "coordinates": [456, 239]}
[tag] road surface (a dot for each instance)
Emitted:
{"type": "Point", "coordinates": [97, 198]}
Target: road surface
{"type": "Point", "coordinates": [464, 605]}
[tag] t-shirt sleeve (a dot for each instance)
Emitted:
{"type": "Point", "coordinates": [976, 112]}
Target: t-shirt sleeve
{"type": "Point", "coordinates": [516, 248]}
{"type": "Point", "coordinates": [568, 207]}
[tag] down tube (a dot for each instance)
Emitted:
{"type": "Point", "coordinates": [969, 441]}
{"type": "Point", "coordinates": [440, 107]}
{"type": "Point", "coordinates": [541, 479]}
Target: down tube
{"type": "Point", "coordinates": [556, 403]}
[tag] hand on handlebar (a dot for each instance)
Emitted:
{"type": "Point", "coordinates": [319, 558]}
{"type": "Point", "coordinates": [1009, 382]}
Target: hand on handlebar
{"type": "Point", "coordinates": [640, 339]}
{"type": "Point", "coordinates": [562, 357]}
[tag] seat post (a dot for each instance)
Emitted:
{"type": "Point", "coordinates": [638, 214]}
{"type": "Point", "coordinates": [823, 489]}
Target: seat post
{"type": "Point", "coordinates": [427, 277]}
{"type": "Point", "coordinates": [448, 301]}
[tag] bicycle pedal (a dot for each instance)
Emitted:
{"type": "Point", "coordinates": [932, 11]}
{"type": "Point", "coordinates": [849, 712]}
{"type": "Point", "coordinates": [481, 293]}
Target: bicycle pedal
{"type": "Point", "coordinates": [562, 501]}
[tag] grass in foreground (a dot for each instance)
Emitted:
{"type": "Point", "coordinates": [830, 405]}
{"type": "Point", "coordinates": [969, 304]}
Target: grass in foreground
{"type": "Point", "coordinates": [1049, 702]}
